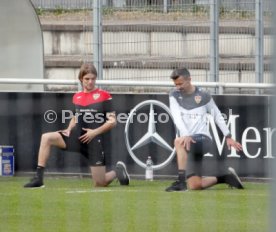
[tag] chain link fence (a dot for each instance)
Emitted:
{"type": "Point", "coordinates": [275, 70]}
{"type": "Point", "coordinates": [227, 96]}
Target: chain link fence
{"type": "Point", "coordinates": [146, 40]}
{"type": "Point", "coordinates": [238, 45]}
{"type": "Point", "coordinates": [153, 43]}
{"type": "Point", "coordinates": [243, 5]}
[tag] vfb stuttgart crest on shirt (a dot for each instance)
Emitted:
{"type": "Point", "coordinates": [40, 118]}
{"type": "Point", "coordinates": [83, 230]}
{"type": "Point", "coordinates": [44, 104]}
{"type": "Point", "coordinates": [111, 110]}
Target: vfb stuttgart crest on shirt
{"type": "Point", "coordinates": [197, 99]}
{"type": "Point", "coordinates": [96, 96]}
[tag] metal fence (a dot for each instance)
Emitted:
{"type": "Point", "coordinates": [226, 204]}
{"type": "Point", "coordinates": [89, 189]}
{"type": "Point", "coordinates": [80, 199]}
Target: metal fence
{"type": "Point", "coordinates": [244, 5]}
{"type": "Point", "coordinates": [146, 40]}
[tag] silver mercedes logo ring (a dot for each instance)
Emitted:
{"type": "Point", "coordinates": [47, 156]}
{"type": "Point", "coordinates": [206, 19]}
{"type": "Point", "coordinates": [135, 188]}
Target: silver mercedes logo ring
{"type": "Point", "coordinates": [151, 136]}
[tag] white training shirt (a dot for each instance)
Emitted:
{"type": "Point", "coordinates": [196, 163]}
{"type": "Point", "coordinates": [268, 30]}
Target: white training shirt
{"type": "Point", "coordinates": [191, 112]}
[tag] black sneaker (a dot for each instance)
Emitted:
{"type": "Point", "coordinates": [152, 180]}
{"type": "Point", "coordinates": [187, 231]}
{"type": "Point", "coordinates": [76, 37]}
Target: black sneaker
{"type": "Point", "coordinates": [35, 183]}
{"type": "Point", "coordinates": [122, 174]}
{"type": "Point", "coordinates": [177, 186]}
{"type": "Point", "coordinates": [233, 180]}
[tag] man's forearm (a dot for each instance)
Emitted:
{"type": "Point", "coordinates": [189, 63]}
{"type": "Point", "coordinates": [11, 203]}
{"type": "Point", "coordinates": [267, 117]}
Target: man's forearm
{"type": "Point", "coordinates": [72, 123]}
{"type": "Point", "coordinates": [108, 125]}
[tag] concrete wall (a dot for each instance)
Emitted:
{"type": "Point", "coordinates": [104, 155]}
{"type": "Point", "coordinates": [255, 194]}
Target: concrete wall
{"type": "Point", "coordinates": [168, 44]}
{"type": "Point", "coordinates": [21, 44]}
{"type": "Point", "coordinates": [146, 52]}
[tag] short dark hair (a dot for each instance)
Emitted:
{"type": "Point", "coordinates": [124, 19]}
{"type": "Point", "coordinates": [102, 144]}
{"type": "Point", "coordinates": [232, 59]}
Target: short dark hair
{"type": "Point", "coordinates": [180, 72]}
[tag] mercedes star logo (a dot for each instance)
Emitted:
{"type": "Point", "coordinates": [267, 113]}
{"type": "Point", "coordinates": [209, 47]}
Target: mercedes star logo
{"type": "Point", "coordinates": [151, 136]}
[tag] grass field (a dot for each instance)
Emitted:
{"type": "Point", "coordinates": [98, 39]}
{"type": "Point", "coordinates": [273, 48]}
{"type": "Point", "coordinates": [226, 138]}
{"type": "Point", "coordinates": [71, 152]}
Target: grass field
{"type": "Point", "coordinates": [71, 204]}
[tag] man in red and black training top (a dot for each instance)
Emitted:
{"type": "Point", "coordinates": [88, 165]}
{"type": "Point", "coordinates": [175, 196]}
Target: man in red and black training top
{"type": "Point", "coordinates": [94, 116]}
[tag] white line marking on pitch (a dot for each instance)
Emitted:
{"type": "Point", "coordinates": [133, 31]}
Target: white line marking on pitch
{"type": "Point", "coordinates": [142, 191]}
{"type": "Point", "coordinates": [90, 191]}
{"type": "Point", "coordinates": [105, 190]}
{"type": "Point", "coordinates": [110, 190]}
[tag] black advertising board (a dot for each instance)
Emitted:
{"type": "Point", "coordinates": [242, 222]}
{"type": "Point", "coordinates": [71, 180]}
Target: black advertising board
{"type": "Point", "coordinates": [25, 116]}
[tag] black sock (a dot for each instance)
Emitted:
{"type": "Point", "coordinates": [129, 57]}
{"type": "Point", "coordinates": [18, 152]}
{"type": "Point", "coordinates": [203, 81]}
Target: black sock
{"type": "Point", "coordinates": [40, 172]}
{"type": "Point", "coordinates": [181, 175]}
{"type": "Point", "coordinates": [221, 179]}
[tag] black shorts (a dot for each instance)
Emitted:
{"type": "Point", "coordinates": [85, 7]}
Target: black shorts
{"type": "Point", "coordinates": [93, 151]}
{"type": "Point", "coordinates": [196, 153]}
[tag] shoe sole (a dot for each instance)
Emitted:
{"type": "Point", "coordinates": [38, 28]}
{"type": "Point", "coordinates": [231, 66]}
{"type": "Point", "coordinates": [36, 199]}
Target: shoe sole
{"type": "Point", "coordinates": [125, 171]}
{"type": "Point", "coordinates": [182, 190]}
{"type": "Point", "coordinates": [42, 186]}
{"type": "Point", "coordinates": [233, 172]}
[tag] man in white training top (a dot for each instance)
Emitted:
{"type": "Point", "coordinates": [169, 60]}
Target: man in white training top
{"type": "Point", "coordinates": [190, 106]}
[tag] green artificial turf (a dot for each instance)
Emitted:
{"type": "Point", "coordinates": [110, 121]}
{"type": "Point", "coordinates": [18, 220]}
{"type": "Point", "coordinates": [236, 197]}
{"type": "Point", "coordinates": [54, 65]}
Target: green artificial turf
{"type": "Point", "coordinates": [72, 204]}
